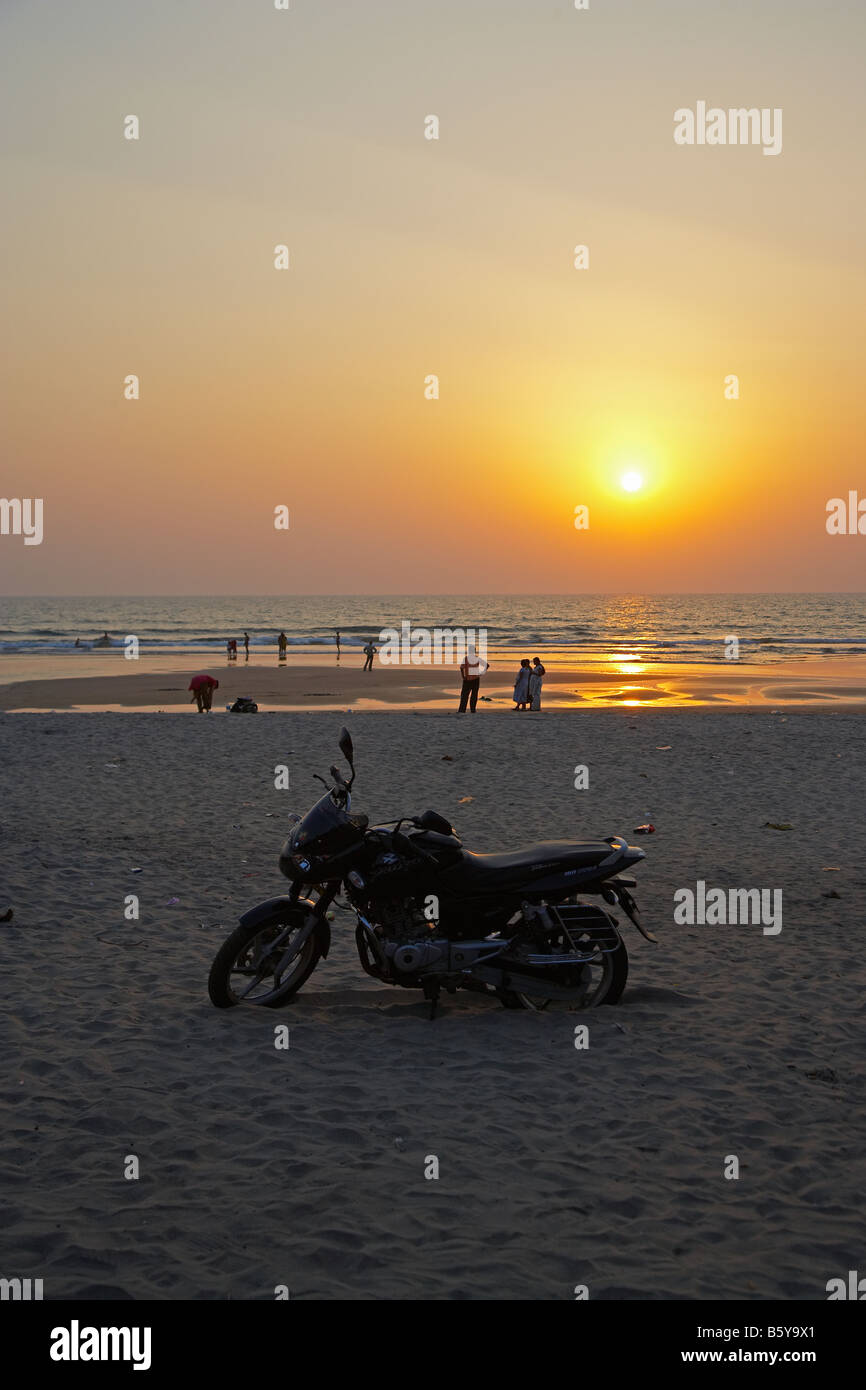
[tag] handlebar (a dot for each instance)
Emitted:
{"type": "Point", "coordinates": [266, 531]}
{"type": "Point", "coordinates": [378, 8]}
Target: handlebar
{"type": "Point", "coordinates": [402, 842]}
{"type": "Point", "coordinates": [341, 790]}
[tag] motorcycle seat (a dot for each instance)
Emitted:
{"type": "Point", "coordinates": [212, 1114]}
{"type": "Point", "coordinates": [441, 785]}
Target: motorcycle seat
{"type": "Point", "coordinates": [552, 854]}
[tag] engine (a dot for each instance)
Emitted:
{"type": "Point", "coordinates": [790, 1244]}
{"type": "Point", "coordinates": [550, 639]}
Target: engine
{"type": "Point", "coordinates": [415, 957]}
{"type": "Point", "coordinates": [404, 920]}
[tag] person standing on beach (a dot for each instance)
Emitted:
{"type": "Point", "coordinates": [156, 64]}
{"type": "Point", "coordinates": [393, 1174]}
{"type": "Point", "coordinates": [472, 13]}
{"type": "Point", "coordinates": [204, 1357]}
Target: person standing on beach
{"type": "Point", "coordinates": [536, 678]}
{"type": "Point", "coordinates": [521, 686]}
{"type": "Point", "coordinates": [369, 653]}
{"type": "Point", "coordinates": [337, 630]}
{"type": "Point", "coordinates": [472, 668]}
{"type": "Point", "coordinates": [282, 643]}
{"type": "Point", "coordinates": [246, 646]}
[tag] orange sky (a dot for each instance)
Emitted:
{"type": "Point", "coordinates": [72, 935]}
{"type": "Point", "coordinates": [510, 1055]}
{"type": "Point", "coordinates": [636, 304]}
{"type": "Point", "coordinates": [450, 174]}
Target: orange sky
{"type": "Point", "coordinates": [411, 257]}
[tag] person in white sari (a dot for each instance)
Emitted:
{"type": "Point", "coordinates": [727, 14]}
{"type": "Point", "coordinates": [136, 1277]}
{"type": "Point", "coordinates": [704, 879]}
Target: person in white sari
{"type": "Point", "coordinates": [521, 687]}
{"type": "Point", "coordinates": [536, 679]}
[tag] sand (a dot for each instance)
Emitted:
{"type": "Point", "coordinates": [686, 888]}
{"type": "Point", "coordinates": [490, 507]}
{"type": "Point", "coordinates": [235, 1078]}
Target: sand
{"type": "Point", "coordinates": [305, 1167]}
{"type": "Point", "coordinates": [103, 681]}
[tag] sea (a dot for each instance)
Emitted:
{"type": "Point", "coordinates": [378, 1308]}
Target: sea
{"type": "Point", "coordinates": [675, 628]}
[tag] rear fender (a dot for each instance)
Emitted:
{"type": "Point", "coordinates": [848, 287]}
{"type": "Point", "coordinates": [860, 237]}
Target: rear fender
{"type": "Point", "coordinates": [284, 909]}
{"type": "Point", "coordinates": [616, 892]}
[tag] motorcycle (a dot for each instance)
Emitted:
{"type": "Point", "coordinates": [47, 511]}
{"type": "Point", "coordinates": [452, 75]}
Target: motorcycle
{"type": "Point", "coordinates": [432, 915]}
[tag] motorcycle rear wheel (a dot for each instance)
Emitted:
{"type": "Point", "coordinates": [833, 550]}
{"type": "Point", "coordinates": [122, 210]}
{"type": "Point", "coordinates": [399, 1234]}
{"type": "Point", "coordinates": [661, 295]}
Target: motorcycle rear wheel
{"type": "Point", "coordinates": [606, 989]}
{"type": "Point", "coordinates": [243, 968]}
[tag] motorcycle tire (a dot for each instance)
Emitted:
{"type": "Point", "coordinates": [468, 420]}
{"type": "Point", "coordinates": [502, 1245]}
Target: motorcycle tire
{"type": "Point", "coordinates": [222, 996]}
{"type": "Point", "coordinates": [510, 999]}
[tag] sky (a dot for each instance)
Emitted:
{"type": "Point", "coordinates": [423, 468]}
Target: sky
{"type": "Point", "coordinates": [410, 258]}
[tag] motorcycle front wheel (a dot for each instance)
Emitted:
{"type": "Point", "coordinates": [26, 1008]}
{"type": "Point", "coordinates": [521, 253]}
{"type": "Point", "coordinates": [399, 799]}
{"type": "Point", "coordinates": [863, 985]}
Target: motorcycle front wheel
{"type": "Point", "coordinates": [599, 981]}
{"type": "Point", "coordinates": [249, 966]}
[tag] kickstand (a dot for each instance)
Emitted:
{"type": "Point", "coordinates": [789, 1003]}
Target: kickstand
{"type": "Point", "coordinates": [431, 992]}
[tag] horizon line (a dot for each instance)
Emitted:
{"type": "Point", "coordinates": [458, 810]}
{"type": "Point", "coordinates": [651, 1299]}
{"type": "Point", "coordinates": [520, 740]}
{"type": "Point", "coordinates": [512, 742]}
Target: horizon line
{"type": "Point", "coordinates": [467, 593]}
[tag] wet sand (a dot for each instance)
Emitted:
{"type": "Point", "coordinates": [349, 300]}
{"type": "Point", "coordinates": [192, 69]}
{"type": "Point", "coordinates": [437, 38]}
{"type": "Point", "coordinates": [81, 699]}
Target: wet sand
{"type": "Point", "coordinates": [106, 681]}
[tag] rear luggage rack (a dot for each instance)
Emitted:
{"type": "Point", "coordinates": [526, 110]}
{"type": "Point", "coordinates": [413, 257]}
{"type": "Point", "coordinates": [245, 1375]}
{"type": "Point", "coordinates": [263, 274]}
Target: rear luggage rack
{"type": "Point", "coordinates": [579, 922]}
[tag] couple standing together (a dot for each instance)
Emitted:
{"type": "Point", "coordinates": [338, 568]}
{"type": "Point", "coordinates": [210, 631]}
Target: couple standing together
{"type": "Point", "coordinates": [527, 687]}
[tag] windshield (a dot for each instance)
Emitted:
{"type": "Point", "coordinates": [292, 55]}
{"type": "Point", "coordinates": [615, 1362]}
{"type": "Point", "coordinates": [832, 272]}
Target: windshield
{"type": "Point", "coordinates": [319, 820]}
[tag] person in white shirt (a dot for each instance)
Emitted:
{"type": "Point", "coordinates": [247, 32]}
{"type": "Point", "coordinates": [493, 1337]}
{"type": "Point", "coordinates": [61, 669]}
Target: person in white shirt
{"type": "Point", "coordinates": [472, 668]}
{"type": "Point", "coordinates": [536, 678]}
{"type": "Point", "coordinates": [521, 686]}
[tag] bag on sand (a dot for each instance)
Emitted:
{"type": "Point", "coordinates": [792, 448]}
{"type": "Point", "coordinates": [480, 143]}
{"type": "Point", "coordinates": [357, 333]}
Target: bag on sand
{"type": "Point", "coordinates": [243, 705]}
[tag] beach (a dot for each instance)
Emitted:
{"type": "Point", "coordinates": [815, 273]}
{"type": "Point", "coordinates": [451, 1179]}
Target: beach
{"type": "Point", "coordinates": [433, 374]}
{"type": "Point", "coordinates": [158, 682]}
{"type": "Point", "coordinates": [303, 1168]}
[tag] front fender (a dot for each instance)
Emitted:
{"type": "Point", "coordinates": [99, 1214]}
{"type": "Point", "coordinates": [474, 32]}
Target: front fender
{"type": "Point", "coordinates": [283, 909]}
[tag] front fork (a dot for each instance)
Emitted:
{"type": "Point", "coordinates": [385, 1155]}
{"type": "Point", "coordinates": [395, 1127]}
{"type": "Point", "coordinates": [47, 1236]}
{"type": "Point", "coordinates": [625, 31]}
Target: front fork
{"type": "Point", "coordinates": [319, 905]}
{"type": "Point", "coordinates": [282, 911]}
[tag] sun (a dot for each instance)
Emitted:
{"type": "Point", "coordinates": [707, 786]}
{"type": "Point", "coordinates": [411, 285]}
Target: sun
{"type": "Point", "coordinates": [631, 481]}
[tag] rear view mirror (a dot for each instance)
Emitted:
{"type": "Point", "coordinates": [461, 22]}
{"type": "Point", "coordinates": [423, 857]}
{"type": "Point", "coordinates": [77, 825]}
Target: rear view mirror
{"type": "Point", "coordinates": [346, 747]}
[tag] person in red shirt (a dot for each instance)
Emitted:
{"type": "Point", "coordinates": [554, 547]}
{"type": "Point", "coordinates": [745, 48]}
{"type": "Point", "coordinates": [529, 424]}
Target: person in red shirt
{"type": "Point", "coordinates": [203, 687]}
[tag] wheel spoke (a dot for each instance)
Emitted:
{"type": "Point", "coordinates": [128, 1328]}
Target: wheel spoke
{"type": "Point", "coordinates": [287, 957]}
{"type": "Point", "coordinates": [265, 967]}
{"type": "Point", "coordinates": [251, 986]}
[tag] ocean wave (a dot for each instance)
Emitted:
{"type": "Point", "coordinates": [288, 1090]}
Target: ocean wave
{"type": "Point", "coordinates": [585, 628]}
{"type": "Point", "coordinates": [639, 649]}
